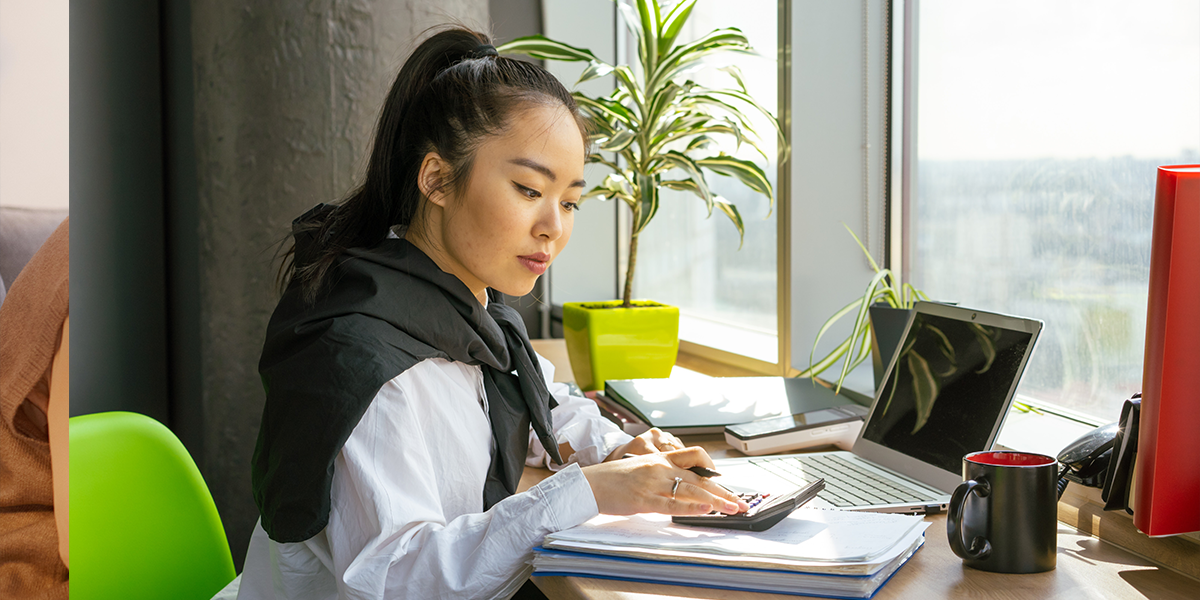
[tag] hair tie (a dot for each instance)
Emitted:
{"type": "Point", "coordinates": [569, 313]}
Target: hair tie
{"type": "Point", "coordinates": [483, 50]}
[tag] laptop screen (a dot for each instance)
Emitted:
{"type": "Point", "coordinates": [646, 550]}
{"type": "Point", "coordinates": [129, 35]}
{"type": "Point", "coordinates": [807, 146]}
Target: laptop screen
{"type": "Point", "coordinates": [947, 390]}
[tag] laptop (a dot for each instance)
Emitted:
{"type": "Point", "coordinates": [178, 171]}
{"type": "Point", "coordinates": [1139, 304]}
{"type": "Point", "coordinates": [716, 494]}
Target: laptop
{"type": "Point", "coordinates": [945, 394]}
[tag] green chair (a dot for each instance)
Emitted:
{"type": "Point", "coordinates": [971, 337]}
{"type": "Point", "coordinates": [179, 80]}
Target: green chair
{"type": "Point", "coordinates": [143, 524]}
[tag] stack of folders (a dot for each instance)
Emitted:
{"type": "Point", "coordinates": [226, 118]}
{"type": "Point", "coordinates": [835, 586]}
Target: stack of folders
{"type": "Point", "coordinates": [836, 554]}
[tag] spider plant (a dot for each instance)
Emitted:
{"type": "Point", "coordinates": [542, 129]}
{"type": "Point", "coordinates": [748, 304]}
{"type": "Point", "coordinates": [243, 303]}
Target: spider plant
{"type": "Point", "coordinates": [661, 125]}
{"type": "Point", "coordinates": [928, 372]}
{"type": "Point", "coordinates": [885, 288]}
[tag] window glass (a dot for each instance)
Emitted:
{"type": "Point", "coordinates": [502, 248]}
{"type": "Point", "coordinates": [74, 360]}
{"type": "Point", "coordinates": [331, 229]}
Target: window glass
{"type": "Point", "coordinates": [1040, 126]}
{"type": "Point", "coordinates": [726, 296]}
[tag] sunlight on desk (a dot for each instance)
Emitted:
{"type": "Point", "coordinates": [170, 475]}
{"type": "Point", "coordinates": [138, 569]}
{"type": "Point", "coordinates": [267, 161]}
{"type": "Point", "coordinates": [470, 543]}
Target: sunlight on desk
{"type": "Point", "coordinates": [1086, 566]}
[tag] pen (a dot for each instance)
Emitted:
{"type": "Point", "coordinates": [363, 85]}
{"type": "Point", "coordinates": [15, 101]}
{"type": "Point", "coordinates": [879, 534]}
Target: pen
{"type": "Point", "coordinates": [701, 471]}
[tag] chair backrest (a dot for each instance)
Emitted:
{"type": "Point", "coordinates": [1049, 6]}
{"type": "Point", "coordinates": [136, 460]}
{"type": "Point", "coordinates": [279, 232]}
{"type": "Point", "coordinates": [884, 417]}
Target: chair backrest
{"type": "Point", "coordinates": [143, 524]}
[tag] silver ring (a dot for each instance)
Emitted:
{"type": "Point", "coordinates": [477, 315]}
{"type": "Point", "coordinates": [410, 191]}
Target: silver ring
{"type": "Point", "coordinates": [678, 480]}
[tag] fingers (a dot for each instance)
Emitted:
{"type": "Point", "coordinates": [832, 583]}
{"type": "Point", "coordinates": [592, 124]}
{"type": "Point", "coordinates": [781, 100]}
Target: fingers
{"type": "Point", "coordinates": [721, 494]}
{"type": "Point", "coordinates": [692, 499]}
{"type": "Point", "coordinates": [663, 441]}
{"type": "Point", "coordinates": [640, 445]}
{"type": "Point", "coordinates": [690, 457]}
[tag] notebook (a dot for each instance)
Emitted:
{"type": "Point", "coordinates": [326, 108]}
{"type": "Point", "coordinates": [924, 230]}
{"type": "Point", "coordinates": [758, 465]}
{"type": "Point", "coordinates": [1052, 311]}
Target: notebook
{"type": "Point", "coordinates": [692, 404]}
{"type": "Point", "coordinates": [945, 394]}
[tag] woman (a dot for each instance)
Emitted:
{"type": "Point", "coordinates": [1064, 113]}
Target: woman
{"type": "Point", "coordinates": [35, 375]}
{"type": "Point", "coordinates": [402, 401]}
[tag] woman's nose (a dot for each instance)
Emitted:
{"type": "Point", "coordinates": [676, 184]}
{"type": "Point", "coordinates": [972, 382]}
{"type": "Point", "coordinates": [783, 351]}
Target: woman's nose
{"type": "Point", "coordinates": [549, 224]}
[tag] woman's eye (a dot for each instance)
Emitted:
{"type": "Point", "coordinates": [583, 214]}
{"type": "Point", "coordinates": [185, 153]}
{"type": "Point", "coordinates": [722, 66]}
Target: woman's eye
{"type": "Point", "coordinates": [527, 191]}
{"type": "Point", "coordinates": [571, 206]}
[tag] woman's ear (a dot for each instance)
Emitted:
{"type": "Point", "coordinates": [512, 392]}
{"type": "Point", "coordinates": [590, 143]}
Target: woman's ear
{"type": "Point", "coordinates": [432, 177]}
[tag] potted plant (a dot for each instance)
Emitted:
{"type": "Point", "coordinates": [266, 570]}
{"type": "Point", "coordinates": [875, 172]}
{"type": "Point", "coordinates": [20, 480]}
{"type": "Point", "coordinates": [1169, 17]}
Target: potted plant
{"type": "Point", "coordinates": [880, 316]}
{"type": "Point", "coordinates": [662, 128]}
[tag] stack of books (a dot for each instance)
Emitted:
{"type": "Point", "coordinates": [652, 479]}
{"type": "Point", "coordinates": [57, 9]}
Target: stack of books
{"type": "Point", "coordinates": [812, 552]}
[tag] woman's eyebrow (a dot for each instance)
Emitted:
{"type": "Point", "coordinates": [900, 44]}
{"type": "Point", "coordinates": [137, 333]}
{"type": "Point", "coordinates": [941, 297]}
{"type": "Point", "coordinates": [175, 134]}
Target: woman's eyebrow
{"type": "Point", "coordinates": [544, 170]}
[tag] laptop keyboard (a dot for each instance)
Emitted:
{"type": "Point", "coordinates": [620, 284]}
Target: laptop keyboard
{"type": "Point", "coordinates": [845, 483]}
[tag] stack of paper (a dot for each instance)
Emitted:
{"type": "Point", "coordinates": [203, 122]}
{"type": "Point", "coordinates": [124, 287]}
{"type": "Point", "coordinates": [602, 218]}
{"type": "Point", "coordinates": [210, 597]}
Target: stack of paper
{"type": "Point", "coordinates": [821, 552]}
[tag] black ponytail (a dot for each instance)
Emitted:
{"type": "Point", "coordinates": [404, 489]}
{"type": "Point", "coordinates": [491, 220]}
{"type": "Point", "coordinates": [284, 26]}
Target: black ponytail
{"type": "Point", "coordinates": [452, 92]}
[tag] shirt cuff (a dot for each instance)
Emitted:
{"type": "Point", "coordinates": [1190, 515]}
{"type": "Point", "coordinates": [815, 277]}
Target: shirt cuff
{"type": "Point", "coordinates": [570, 497]}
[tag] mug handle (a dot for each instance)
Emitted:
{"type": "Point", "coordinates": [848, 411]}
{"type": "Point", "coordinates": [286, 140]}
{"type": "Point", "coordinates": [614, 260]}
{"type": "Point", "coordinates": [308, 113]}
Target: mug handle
{"type": "Point", "coordinates": [980, 547]}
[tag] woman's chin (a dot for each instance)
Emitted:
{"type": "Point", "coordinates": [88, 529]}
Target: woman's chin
{"type": "Point", "coordinates": [515, 288]}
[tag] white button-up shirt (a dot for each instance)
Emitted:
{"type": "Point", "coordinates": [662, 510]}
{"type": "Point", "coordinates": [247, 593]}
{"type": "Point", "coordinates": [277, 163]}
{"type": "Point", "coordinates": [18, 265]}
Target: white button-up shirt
{"type": "Point", "coordinates": [406, 517]}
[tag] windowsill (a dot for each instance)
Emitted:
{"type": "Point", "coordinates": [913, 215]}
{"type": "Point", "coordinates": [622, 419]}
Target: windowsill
{"type": "Point", "coordinates": [1042, 432]}
{"type": "Point", "coordinates": [751, 343]}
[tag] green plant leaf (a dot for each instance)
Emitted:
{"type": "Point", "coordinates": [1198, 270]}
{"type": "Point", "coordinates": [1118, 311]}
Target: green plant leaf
{"type": "Point", "coordinates": [647, 201]}
{"type": "Point", "coordinates": [749, 101]}
{"type": "Point", "coordinates": [594, 70]}
{"type": "Point", "coordinates": [747, 172]}
{"type": "Point", "coordinates": [660, 101]}
{"type": "Point", "coordinates": [736, 74]}
{"type": "Point", "coordinates": [718, 40]}
{"type": "Point", "coordinates": [829, 360]}
{"type": "Point", "coordinates": [727, 126]}
{"type": "Point", "coordinates": [630, 85]}
{"type": "Point", "coordinates": [681, 125]}
{"type": "Point", "coordinates": [647, 44]}
{"type": "Point", "coordinates": [618, 141]}
{"type": "Point", "coordinates": [731, 211]}
{"type": "Point", "coordinates": [860, 320]}
{"type": "Point", "coordinates": [614, 186]}
{"type": "Point", "coordinates": [683, 161]}
{"type": "Point", "coordinates": [874, 266]}
{"type": "Point", "coordinates": [598, 158]}
{"type": "Point", "coordinates": [598, 191]}
{"type": "Point", "coordinates": [542, 47]}
{"type": "Point", "coordinates": [697, 96]}
{"type": "Point", "coordinates": [821, 333]}
{"type": "Point", "coordinates": [699, 142]}
{"type": "Point", "coordinates": [672, 24]}
{"type": "Point", "coordinates": [606, 110]}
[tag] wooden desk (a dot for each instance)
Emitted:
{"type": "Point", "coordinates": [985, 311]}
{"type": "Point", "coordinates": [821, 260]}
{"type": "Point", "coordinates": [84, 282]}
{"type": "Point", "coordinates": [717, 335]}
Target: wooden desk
{"type": "Point", "coordinates": [1087, 567]}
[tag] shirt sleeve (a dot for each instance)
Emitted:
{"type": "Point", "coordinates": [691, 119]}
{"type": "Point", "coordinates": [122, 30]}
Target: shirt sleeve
{"type": "Point", "coordinates": [390, 533]}
{"type": "Point", "coordinates": [577, 421]}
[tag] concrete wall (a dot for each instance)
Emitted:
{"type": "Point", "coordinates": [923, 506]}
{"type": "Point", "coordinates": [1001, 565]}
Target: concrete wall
{"type": "Point", "coordinates": [285, 98]}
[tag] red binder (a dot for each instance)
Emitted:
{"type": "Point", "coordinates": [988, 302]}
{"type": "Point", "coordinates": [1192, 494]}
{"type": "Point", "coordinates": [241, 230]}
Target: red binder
{"type": "Point", "coordinates": [1167, 492]}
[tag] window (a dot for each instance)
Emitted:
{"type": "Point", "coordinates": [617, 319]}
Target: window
{"type": "Point", "coordinates": [726, 296]}
{"type": "Point", "coordinates": [1040, 126]}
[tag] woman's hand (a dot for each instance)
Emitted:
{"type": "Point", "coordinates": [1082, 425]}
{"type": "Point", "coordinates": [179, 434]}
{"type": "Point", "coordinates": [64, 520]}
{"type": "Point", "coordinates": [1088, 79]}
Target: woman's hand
{"type": "Point", "coordinates": [648, 484]}
{"type": "Point", "coordinates": [654, 440]}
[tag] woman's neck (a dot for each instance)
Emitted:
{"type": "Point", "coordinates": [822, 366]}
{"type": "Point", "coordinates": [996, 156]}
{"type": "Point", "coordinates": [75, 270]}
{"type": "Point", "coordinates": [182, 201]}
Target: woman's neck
{"type": "Point", "coordinates": [434, 249]}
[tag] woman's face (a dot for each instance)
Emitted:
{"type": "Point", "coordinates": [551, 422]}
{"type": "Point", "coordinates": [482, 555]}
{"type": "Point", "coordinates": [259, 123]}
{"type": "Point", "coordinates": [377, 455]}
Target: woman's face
{"type": "Point", "coordinates": [517, 209]}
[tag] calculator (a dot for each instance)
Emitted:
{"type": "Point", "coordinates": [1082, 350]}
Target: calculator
{"type": "Point", "coordinates": [765, 510]}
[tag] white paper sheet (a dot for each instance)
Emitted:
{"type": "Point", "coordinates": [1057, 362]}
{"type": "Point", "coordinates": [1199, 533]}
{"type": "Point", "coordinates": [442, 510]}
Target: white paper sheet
{"type": "Point", "coordinates": [805, 535]}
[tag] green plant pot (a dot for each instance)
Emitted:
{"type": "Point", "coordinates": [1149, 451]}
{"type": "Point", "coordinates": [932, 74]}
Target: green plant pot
{"type": "Point", "coordinates": [887, 331]}
{"type": "Point", "coordinates": [606, 341]}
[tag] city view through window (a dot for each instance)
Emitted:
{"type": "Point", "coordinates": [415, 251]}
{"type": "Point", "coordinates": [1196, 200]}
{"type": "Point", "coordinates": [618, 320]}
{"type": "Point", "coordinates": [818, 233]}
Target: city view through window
{"type": "Point", "coordinates": [1040, 129]}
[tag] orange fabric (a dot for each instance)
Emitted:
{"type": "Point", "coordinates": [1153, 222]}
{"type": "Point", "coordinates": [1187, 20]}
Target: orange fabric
{"type": "Point", "coordinates": [31, 321]}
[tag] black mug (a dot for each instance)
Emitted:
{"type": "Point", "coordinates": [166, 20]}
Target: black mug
{"type": "Point", "coordinates": [1012, 521]}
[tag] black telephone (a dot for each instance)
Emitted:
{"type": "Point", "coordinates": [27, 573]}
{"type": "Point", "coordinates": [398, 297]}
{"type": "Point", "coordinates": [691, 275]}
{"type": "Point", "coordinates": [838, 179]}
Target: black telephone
{"type": "Point", "coordinates": [1085, 461]}
{"type": "Point", "coordinates": [1103, 458]}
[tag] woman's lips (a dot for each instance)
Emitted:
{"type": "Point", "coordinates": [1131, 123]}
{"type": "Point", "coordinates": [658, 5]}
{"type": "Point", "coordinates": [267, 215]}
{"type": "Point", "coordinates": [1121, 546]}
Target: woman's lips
{"type": "Point", "coordinates": [536, 263]}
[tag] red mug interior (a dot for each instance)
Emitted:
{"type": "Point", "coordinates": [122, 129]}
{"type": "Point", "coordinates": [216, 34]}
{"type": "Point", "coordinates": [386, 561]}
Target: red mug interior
{"type": "Point", "coordinates": [1010, 459]}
